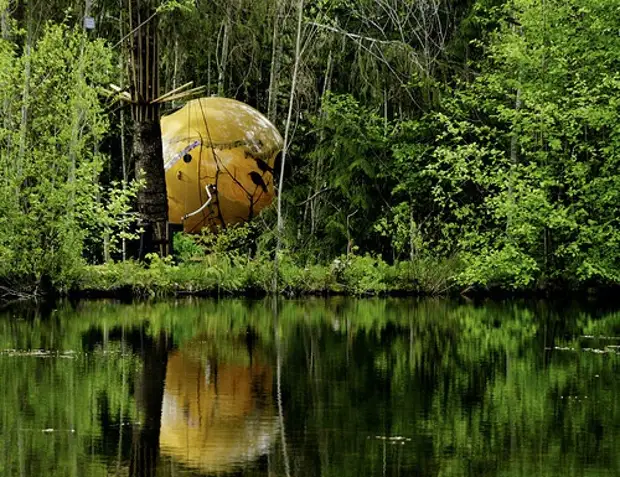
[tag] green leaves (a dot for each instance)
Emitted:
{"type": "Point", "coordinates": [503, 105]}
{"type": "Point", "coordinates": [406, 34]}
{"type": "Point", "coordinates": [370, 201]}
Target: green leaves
{"type": "Point", "coordinates": [52, 125]}
{"type": "Point", "coordinates": [522, 171]}
{"type": "Point", "coordinates": [185, 6]}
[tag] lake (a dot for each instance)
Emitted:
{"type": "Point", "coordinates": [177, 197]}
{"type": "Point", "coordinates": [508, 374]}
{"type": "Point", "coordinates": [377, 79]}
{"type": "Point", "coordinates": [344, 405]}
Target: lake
{"type": "Point", "coordinates": [337, 387]}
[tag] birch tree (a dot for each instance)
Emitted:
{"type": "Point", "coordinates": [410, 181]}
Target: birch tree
{"type": "Point", "coordinates": [287, 128]}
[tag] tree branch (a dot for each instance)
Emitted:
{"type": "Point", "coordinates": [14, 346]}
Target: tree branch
{"type": "Point", "coordinates": [326, 189]}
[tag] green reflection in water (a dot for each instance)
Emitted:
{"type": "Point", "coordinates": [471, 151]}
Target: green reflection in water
{"type": "Point", "coordinates": [366, 387]}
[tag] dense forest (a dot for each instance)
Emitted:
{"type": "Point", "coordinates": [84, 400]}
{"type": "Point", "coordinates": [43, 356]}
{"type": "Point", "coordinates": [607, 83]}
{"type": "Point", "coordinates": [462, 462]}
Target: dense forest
{"type": "Point", "coordinates": [430, 144]}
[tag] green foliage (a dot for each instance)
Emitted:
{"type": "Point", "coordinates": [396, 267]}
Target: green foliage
{"type": "Point", "coordinates": [402, 231]}
{"type": "Point", "coordinates": [169, 6]}
{"type": "Point", "coordinates": [234, 240]}
{"type": "Point", "coordinates": [360, 274]}
{"type": "Point", "coordinates": [231, 273]}
{"type": "Point", "coordinates": [478, 141]}
{"type": "Point", "coordinates": [53, 121]}
{"type": "Point", "coordinates": [186, 248]}
{"type": "Point", "coordinates": [515, 171]}
{"type": "Point", "coordinates": [525, 167]}
{"type": "Point", "coordinates": [112, 216]}
{"type": "Point", "coordinates": [344, 166]}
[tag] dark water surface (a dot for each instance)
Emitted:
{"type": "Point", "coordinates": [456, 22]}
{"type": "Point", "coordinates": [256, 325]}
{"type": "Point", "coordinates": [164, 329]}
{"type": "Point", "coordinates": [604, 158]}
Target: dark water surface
{"type": "Point", "coordinates": [312, 388]}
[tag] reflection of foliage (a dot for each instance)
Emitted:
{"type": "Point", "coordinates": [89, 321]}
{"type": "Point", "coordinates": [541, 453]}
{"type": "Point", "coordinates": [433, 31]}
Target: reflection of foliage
{"type": "Point", "coordinates": [54, 409]}
{"type": "Point", "coordinates": [499, 389]}
{"type": "Point", "coordinates": [473, 387]}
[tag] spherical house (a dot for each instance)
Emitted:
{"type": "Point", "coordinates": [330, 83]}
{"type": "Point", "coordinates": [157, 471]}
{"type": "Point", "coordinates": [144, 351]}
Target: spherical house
{"type": "Point", "coordinates": [219, 156]}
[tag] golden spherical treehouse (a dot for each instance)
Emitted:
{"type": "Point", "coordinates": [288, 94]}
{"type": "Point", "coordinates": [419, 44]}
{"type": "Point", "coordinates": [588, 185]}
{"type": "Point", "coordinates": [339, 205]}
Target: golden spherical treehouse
{"type": "Point", "coordinates": [219, 156]}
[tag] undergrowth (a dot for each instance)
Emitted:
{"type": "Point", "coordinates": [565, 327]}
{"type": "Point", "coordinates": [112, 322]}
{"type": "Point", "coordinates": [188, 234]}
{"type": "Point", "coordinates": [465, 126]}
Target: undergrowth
{"type": "Point", "coordinates": [233, 274]}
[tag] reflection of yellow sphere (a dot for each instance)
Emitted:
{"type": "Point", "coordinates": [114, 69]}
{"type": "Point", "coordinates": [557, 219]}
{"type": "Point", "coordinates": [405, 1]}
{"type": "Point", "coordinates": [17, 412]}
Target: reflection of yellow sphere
{"type": "Point", "coordinates": [221, 152]}
{"type": "Point", "coordinates": [216, 416]}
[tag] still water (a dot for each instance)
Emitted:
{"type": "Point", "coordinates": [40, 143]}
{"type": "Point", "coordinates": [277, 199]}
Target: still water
{"type": "Point", "coordinates": [310, 388]}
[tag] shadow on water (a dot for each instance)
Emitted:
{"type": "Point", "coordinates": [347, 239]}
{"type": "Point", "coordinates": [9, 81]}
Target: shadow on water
{"type": "Point", "coordinates": [315, 387]}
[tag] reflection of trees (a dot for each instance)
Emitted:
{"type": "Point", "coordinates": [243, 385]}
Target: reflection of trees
{"type": "Point", "coordinates": [56, 410]}
{"type": "Point", "coordinates": [149, 395]}
{"type": "Point", "coordinates": [473, 387]}
{"type": "Point", "coordinates": [151, 349]}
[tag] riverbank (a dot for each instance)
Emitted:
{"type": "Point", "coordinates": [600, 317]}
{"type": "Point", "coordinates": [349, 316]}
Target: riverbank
{"type": "Point", "coordinates": [240, 276]}
{"type": "Point", "coordinates": [233, 275]}
{"type": "Point", "coordinates": [355, 275]}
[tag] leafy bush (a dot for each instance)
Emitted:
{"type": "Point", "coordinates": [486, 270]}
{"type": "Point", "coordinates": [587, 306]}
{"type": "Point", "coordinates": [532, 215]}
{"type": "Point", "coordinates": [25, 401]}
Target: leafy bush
{"type": "Point", "coordinates": [50, 200]}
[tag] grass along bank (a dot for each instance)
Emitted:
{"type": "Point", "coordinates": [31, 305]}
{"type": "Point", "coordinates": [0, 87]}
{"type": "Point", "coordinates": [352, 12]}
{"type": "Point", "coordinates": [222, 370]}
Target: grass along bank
{"type": "Point", "coordinates": [231, 274]}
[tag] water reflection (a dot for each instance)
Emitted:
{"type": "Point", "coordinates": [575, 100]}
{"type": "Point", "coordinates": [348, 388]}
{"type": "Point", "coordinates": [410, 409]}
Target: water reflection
{"type": "Point", "coordinates": [218, 412]}
{"type": "Point", "coordinates": [336, 387]}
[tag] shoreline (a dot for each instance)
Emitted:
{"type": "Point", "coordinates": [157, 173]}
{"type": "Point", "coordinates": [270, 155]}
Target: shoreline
{"type": "Point", "coordinates": [128, 294]}
{"type": "Point", "coordinates": [361, 277]}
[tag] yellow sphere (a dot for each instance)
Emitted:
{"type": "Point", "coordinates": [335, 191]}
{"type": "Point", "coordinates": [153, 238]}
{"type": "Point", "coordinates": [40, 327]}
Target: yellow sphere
{"type": "Point", "coordinates": [219, 156]}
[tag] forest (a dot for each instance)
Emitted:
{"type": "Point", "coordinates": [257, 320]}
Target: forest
{"type": "Point", "coordinates": [430, 145]}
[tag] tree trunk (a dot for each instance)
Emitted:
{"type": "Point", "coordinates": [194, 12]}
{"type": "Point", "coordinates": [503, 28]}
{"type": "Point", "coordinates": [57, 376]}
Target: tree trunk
{"type": "Point", "coordinates": [152, 199]}
{"type": "Point", "coordinates": [6, 106]}
{"type": "Point", "coordinates": [413, 232]}
{"type": "Point", "coordinates": [23, 128]}
{"type": "Point", "coordinates": [122, 59]}
{"type": "Point", "coordinates": [514, 146]}
{"type": "Point", "coordinates": [318, 167]}
{"type": "Point", "coordinates": [513, 164]}
{"type": "Point", "coordinates": [147, 150]}
{"type": "Point", "coordinates": [274, 74]}
{"type": "Point", "coordinates": [4, 23]}
{"type": "Point", "coordinates": [223, 61]}
{"type": "Point", "coordinates": [287, 129]}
